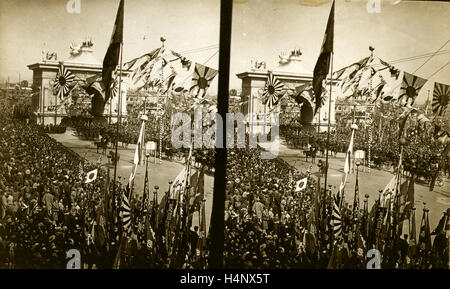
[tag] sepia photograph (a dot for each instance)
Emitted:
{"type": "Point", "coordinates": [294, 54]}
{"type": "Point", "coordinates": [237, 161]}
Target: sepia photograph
{"type": "Point", "coordinates": [220, 134]}
{"type": "Point", "coordinates": [361, 140]}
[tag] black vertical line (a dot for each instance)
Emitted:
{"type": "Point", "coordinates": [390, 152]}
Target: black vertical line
{"type": "Point", "coordinates": [217, 227]}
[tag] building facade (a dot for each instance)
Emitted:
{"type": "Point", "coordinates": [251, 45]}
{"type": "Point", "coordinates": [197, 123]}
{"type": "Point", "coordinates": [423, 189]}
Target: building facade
{"type": "Point", "coordinates": [51, 109]}
{"type": "Point", "coordinates": [292, 74]}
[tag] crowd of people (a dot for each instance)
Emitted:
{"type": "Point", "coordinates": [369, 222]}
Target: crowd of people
{"type": "Point", "coordinates": [265, 220]}
{"type": "Point", "coordinates": [47, 208]}
{"type": "Point", "coordinates": [270, 224]}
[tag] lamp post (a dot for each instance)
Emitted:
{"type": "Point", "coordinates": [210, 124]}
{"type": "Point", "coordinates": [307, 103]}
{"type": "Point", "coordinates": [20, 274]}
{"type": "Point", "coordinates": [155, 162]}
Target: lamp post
{"type": "Point", "coordinates": [155, 194]}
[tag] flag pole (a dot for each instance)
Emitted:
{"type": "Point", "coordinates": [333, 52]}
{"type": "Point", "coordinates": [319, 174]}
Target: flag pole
{"type": "Point", "coordinates": [119, 110]}
{"type": "Point", "coordinates": [328, 141]}
{"type": "Point", "coordinates": [329, 120]}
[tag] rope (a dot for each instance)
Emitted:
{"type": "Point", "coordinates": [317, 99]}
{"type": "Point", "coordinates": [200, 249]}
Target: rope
{"type": "Point", "coordinates": [392, 90]}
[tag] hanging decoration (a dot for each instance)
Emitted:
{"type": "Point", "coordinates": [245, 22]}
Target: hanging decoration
{"type": "Point", "coordinates": [201, 80]}
{"type": "Point", "coordinates": [410, 88]}
{"type": "Point", "coordinates": [441, 95]}
{"type": "Point", "coordinates": [272, 90]}
{"type": "Point", "coordinates": [64, 82]}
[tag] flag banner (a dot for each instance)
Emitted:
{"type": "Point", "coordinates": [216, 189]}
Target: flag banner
{"type": "Point", "coordinates": [201, 80]}
{"type": "Point", "coordinates": [406, 198]}
{"type": "Point", "coordinates": [137, 155]}
{"type": "Point", "coordinates": [203, 233]}
{"type": "Point", "coordinates": [424, 242]}
{"type": "Point", "coordinates": [181, 77]}
{"type": "Point", "coordinates": [441, 95]}
{"type": "Point", "coordinates": [151, 237]}
{"type": "Point", "coordinates": [370, 77]}
{"type": "Point", "coordinates": [386, 228]}
{"type": "Point", "coordinates": [410, 88]}
{"type": "Point", "coordinates": [305, 93]}
{"type": "Point", "coordinates": [300, 185]}
{"type": "Point", "coordinates": [377, 81]}
{"type": "Point", "coordinates": [388, 192]}
{"type": "Point", "coordinates": [272, 90]}
{"type": "Point", "coordinates": [440, 249]}
{"type": "Point", "coordinates": [179, 184]}
{"type": "Point", "coordinates": [323, 62]}
{"type": "Point", "coordinates": [440, 228]}
{"type": "Point", "coordinates": [377, 224]}
{"type": "Point", "coordinates": [111, 59]}
{"type": "Point", "coordinates": [138, 64]}
{"type": "Point", "coordinates": [91, 176]}
{"type": "Point", "coordinates": [351, 76]}
{"type": "Point", "coordinates": [336, 219]}
{"type": "Point", "coordinates": [356, 202]}
{"type": "Point", "coordinates": [94, 87]}
{"type": "Point", "coordinates": [125, 209]}
{"type": "Point", "coordinates": [347, 163]}
{"type": "Point", "coordinates": [64, 82]}
{"type": "Point", "coordinates": [408, 110]}
{"type": "Point", "coordinates": [348, 73]}
{"type": "Point", "coordinates": [162, 70]}
{"type": "Point", "coordinates": [412, 233]}
{"type": "Point", "coordinates": [196, 200]}
{"type": "Point", "coordinates": [348, 154]}
{"type": "Point", "coordinates": [146, 194]}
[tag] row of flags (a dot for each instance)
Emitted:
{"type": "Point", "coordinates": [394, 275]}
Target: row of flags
{"type": "Point", "coordinates": [163, 70]}
{"type": "Point", "coordinates": [166, 71]}
{"type": "Point", "coordinates": [392, 215]}
{"type": "Point", "coordinates": [377, 80]}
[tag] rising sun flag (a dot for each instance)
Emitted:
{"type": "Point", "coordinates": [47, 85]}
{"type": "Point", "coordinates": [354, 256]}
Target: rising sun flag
{"type": "Point", "coordinates": [63, 82]}
{"type": "Point", "coordinates": [272, 90]}
{"type": "Point", "coordinates": [201, 80]}
{"type": "Point", "coordinates": [410, 88]}
{"type": "Point", "coordinates": [441, 96]}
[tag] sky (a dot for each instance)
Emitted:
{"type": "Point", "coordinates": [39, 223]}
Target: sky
{"type": "Point", "coordinates": [28, 27]}
{"type": "Point", "coordinates": [261, 29]}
